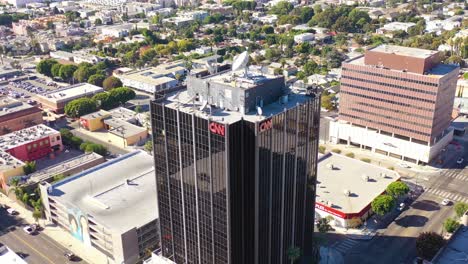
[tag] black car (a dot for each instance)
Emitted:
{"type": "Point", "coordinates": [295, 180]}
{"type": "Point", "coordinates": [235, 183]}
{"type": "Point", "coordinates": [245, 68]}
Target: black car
{"type": "Point", "coordinates": [69, 256]}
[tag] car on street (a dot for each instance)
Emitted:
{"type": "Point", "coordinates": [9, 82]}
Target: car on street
{"type": "Point", "coordinates": [401, 207]}
{"type": "Point", "coordinates": [404, 165]}
{"type": "Point", "coordinates": [445, 202]}
{"type": "Point", "coordinates": [460, 161]}
{"type": "Point", "coordinates": [70, 256]}
{"type": "Point", "coordinates": [29, 229]}
{"type": "Point", "coordinates": [11, 211]}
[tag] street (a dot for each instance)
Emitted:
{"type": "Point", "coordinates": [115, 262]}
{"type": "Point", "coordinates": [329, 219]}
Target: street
{"type": "Point", "coordinates": [424, 214]}
{"type": "Point", "coordinates": [35, 249]}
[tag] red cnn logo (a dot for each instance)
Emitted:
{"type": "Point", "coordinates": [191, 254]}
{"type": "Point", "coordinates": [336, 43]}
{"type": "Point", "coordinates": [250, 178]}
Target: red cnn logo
{"type": "Point", "coordinates": [265, 125]}
{"type": "Point", "coordinates": [217, 128]}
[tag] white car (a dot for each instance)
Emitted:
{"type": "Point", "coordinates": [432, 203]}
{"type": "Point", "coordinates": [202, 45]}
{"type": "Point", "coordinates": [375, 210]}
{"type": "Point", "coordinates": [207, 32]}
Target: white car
{"type": "Point", "coordinates": [445, 202]}
{"type": "Point", "coordinates": [11, 211]}
{"type": "Point", "coordinates": [29, 229]}
{"type": "Point", "coordinates": [460, 161]}
{"type": "Point", "coordinates": [404, 165]}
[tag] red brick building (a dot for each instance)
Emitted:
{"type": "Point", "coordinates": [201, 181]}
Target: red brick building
{"type": "Point", "coordinates": [16, 115]}
{"type": "Point", "coordinates": [396, 101]}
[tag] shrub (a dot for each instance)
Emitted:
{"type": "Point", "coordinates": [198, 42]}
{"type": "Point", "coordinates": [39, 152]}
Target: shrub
{"type": "Point", "coordinates": [76, 142]}
{"type": "Point", "coordinates": [366, 160]}
{"type": "Point", "coordinates": [350, 154]}
{"type": "Point", "coordinates": [391, 168]}
{"type": "Point", "coordinates": [428, 244]}
{"type": "Point", "coordinates": [450, 225]}
{"type": "Point", "coordinates": [335, 150]}
{"type": "Point", "coordinates": [321, 149]}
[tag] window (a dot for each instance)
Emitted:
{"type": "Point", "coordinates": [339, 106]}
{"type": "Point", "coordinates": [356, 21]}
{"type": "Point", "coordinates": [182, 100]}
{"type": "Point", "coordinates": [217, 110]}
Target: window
{"type": "Point", "coordinates": [35, 145]}
{"type": "Point", "coordinates": [58, 138]}
{"type": "Point", "coordinates": [46, 141]}
{"type": "Point", "coordinates": [29, 147]}
{"type": "Point", "coordinates": [41, 143]}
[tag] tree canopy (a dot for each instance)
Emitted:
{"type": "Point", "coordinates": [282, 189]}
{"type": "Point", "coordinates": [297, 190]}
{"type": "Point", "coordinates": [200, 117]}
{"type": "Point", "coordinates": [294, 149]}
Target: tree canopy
{"type": "Point", "coordinates": [111, 82]}
{"type": "Point", "coordinates": [80, 106]}
{"type": "Point", "coordinates": [397, 189]}
{"type": "Point", "coordinates": [428, 243]}
{"type": "Point", "coordinates": [45, 67]}
{"type": "Point", "coordinates": [383, 204]}
{"type": "Point", "coordinates": [460, 208]}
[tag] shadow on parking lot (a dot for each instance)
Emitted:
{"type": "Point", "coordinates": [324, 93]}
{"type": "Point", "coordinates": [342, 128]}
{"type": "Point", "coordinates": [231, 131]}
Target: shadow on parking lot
{"type": "Point", "coordinates": [412, 221]}
{"type": "Point", "coordinates": [425, 205]}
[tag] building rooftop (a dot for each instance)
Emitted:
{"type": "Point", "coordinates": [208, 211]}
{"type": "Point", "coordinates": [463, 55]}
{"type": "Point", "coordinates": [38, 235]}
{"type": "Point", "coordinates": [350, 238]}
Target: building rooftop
{"type": "Point", "coordinates": [123, 128]}
{"type": "Point", "coordinates": [437, 71]}
{"type": "Point", "coordinates": [100, 113]}
{"type": "Point", "coordinates": [25, 136]}
{"type": "Point", "coordinates": [8, 256]}
{"type": "Point", "coordinates": [119, 194]}
{"type": "Point", "coordinates": [404, 51]}
{"type": "Point", "coordinates": [123, 113]}
{"type": "Point", "coordinates": [71, 92]}
{"type": "Point", "coordinates": [8, 162]}
{"type": "Point", "coordinates": [349, 175]}
{"type": "Point", "coordinates": [456, 250]}
{"type": "Point", "coordinates": [236, 79]}
{"type": "Point", "coordinates": [9, 105]}
{"type": "Point", "coordinates": [153, 75]}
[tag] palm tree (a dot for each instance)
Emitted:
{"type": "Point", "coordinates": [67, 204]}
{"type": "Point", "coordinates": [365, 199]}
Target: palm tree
{"type": "Point", "coordinates": [294, 253]}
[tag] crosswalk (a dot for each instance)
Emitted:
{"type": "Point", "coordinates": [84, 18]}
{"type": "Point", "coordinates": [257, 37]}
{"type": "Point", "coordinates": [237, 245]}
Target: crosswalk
{"type": "Point", "coordinates": [449, 195]}
{"type": "Point", "coordinates": [344, 246]}
{"type": "Point", "coordinates": [457, 174]}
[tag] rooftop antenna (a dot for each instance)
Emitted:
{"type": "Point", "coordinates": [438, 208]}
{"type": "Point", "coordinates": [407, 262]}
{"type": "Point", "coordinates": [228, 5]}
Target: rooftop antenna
{"type": "Point", "coordinates": [240, 62]}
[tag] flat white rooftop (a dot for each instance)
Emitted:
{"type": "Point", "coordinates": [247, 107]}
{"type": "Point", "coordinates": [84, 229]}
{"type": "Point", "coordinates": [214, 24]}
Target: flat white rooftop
{"type": "Point", "coordinates": [181, 100]}
{"type": "Point", "coordinates": [119, 194]}
{"type": "Point", "coordinates": [71, 92]}
{"type": "Point", "coordinates": [25, 136]}
{"type": "Point", "coordinates": [8, 256]}
{"type": "Point", "coordinates": [9, 105]}
{"type": "Point", "coordinates": [348, 175]}
{"type": "Point", "coordinates": [405, 51]}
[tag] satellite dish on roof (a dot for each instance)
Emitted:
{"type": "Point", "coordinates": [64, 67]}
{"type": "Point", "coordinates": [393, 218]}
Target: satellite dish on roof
{"type": "Point", "coordinates": [240, 61]}
{"type": "Point", "coordinates": [203, 105]}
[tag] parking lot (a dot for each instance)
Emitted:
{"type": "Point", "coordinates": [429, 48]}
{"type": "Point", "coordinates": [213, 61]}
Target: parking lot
{"type": "Point", "coordinates": [26, 90]}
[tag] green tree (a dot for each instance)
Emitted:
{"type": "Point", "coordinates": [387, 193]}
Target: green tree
{"type": "Point", "coordinates": [149, 146]}
{"type": "Point", "coordinates": [294, 253]}
{"type": "Point", "coordinates": [282, 8]}
{"type": "Point", "coordinates": [36, 214]}
{"type": "Point", "coordinates": [327, 101]}
{"type": "Point", "coordinates": [383, 204]}
{"type": "Point", "coordinates": [323, 225]}
{"type": "Point", "coordinates": [66, 72]}
{"type": "Point", "coordinates": [45, 67]}
{"type": "Point", "coordinates": [267, 29]}
{"type": "Point", "coordinates": [93, 147]}
{"type": "Point", "coordinates": [80, 106]}
{"type": "Point", "coordinates": [111, 82]}
{"type": "Point", "coordinates": [98, 22]}
{"type": "Point", "coordinates": [105, 101]}
{"type": "Point", "coordinates": [122, 94]}
{"type": "Point", "coordinates": [58, 177]}
{"type": "Point", "coordinates": [55, 71]}
{"type": "Point", "coordinates": [82, 74]}
{"type": "Point", "coordinates": [66, 135]}
{"type": "Point", "coordinates": [428, 244]}
{"type": "Point", "coordinates": [460, 208]}
{"type": "Point", "coordinates": [29, 167]}
{"type": "Point", "coordinates": [96, 79]}
{"type": "Point", "coordinates": [76, 141]}
{"type": "Point", "coordinates": [310, 67]}
{"type": "Point", "coordinates": [397, 189]}
{"type": "Point", "coordinates": [450, 225]}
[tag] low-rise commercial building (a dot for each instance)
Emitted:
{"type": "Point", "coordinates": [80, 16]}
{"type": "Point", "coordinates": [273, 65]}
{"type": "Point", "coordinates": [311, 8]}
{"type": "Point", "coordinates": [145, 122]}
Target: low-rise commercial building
{"type": "Point", "coordinates": [16, 115]}
{"type": "Point", "coordinates": [390, 28]}
{"type": "Point", "coordinates": [9, 256]}
{"type": "Point", "coordinates": [120, 125]}
{"type": "Point", "coordinates": [346, 187]}
{"type": "Point", "coordinates": [26, 145]}
{"type": "Point", "coordinates": [110, 207]}
{"type": "Point", "coordinates": [152, 79]}
{"type": "Point", "coordinates": [57, 99]}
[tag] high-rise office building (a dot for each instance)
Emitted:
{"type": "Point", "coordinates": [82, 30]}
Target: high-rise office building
{"type": "Point", "coordinates": [397, 101]}
{"type": "Point", "coordinates": [235, 161]}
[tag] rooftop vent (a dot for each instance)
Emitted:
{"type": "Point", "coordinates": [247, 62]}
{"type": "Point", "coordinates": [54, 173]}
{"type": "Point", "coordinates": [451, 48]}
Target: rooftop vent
{"type": "Point", "coordinates": [347, 192]}
{"type": "Point", "coordinates": [365, 177]}
{"type": "Point", "coordinates": [330, 166]}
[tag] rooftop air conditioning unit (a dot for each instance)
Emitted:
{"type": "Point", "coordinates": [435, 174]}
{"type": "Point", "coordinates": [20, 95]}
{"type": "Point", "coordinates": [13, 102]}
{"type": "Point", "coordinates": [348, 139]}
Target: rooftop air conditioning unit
{"type": "Point", "coordinates": [365, 177]}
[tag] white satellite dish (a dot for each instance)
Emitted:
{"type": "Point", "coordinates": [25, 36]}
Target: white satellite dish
{"type": "Point", "coordinates": [259, 111]}
{"type": "Point", "coordinates": [240, 62]}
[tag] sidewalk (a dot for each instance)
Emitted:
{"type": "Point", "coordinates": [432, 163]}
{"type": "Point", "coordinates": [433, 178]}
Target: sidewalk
{"type": "Point", "coordinates": [88, 254]}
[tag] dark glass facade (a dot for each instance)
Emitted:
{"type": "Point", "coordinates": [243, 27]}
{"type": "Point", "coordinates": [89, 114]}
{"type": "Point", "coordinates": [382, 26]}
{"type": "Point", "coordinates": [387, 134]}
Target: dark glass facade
{"type": "Point", "coordinates": [242, 193]}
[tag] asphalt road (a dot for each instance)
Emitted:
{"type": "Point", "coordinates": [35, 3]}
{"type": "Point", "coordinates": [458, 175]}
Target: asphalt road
{"type": "Point", "coordinates": [397, 243]}
{"type": "Point", "coordinates": [35, 249]}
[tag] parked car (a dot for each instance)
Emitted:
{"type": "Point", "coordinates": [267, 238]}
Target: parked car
{"type": "Point", "coordinates": [460, 161]}
{"type": "Point", "coordinates": [30, 229]}
{"type": "Point", "coordinates": [70, 256]}
{"type": "Point", "coordinates": [11, 211]}
{"type": "Point", "coordinates": [404, 165]}
{"type": "Point", "coordinates": [445, 202]}
{"type": "Point", "coordinates": [401, 207]}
